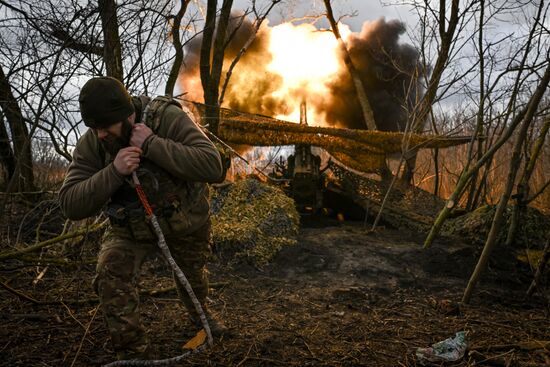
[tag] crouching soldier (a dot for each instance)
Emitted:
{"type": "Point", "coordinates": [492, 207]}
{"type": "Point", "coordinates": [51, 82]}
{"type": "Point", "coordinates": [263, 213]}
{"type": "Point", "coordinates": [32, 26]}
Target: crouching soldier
{"type": "Point", "coordinates": [173, 160]}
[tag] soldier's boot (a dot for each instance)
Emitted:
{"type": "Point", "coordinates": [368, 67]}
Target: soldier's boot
{"type": "Point", "coordinates": [141, 353]}
{"type": "Point", "coordinates": [195, 270]}
{"type": "Point", "coordinates": [216, 324]}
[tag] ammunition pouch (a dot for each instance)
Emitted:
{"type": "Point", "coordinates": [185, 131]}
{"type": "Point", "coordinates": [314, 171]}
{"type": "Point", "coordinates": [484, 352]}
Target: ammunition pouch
{"type": "Point", "coordinates": [131, 222]}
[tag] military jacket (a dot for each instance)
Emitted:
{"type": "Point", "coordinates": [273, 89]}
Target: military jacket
{"type": "Point", "coordinates": [177, 160]}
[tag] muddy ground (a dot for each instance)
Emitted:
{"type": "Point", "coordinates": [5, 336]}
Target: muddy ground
{"type": "Point", "coordinates": [340, 297]}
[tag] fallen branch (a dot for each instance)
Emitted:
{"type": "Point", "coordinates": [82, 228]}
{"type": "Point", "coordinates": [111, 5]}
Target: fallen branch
{"type": "Point", "coordinates": [19, 294]}
{"type": "Point", "coordinates": [30, 317]}
{"type": "Point", "coordinates": [148, 292]}
{"type": "Point", "coordinates": [51, 241]}
{"type": "Point", "coordinates": [57, 261]}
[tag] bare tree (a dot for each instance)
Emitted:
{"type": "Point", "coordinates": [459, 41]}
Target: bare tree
{"type": "Point", "coordinates": [7, 159]}
{"type": "Point", "coordinates": [211, 58]}
{"type": "Point", "coordinates": [21, 172]}
{"type": "Point", "coordinates": [447, 26]}
{"type": "Point", "coordinates": [178, 47]}
{"type": "Point", "coordinates": [517, 64]}
{"type": "Point", "coordinates": [112, 50]}
{"type": "Point", "coordinates": [257, 24]}
{"type": "Point", "coordinates": [357, 82]}
{"type": "Point", "coordinates": [503, 202]}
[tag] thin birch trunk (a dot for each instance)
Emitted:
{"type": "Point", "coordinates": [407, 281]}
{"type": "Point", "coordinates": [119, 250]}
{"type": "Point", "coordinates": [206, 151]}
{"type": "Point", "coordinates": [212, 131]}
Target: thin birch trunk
{"type": "Point", "coordinates": [359, 87]}
{"type": "Point", "coordinates": [523, 186]}
{"type": "Point", "coordinates": [242, 51]}
{"type": "Point", "coordinates": [498, 218]}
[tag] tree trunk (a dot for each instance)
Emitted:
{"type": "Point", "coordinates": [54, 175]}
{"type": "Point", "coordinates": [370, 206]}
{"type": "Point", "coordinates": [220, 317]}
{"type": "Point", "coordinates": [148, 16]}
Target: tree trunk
{"type": "Point", "coordinates": [23, 167]}
{"type": "Point", "coordinates": [211, 114]}
{"type": "Point", "coordinates": [498, 219]}
{"type": "Point", "coordinates": [436, 169]}
{"type": "Point", "coordinates": [7, 159]}
{"type": "Point", "coordinates": [447, 36]}
{"type": "Point", "coordinates": [357, 82]}
{"type": "Point", "coordinates": [176, 40]}
{"type": "Point", "coordinates": [481, 109]}
{"type": "Point", "coordinates": [211, 62]}
{"type": "Point", "coordinates": [112, 51]}
{"type": "Point", "coordinates": [523, 186]}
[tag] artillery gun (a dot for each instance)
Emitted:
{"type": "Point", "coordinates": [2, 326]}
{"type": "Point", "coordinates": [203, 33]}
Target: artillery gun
{"type": "Point", "coordinates": [343, 184]}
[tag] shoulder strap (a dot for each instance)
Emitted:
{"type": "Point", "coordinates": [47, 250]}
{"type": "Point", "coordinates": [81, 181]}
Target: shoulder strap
{"type": "Point", "coordinates": [152, 114]}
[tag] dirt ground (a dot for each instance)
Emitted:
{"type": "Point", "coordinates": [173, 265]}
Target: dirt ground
{"type": "Point", "coordinates": [340, 297]}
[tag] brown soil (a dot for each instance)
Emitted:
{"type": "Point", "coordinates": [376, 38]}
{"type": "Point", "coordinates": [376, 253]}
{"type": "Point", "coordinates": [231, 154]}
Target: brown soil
{"type": "Point", "coordinates": [340, 297]}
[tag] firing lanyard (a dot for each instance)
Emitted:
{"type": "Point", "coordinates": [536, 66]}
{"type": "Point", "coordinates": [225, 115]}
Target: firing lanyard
{"type": "Point", "coordinates": [181, 277]}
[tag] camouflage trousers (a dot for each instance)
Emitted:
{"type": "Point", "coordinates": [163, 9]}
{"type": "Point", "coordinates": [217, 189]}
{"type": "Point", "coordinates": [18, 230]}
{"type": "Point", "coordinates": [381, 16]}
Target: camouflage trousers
{"type": "Point", "coordinates": [117, 273]}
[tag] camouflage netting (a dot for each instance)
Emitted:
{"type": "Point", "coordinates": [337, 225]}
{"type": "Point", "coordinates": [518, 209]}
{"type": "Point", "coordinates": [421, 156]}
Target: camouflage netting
{"type": "Point", "coordinates": [532, 232]}
{"type": "Point", "coordinates": [362, 150]}
{"type": "Point", "coordinates": [252, 221]}
{"type": "Point", "coordinates": [407, 206]}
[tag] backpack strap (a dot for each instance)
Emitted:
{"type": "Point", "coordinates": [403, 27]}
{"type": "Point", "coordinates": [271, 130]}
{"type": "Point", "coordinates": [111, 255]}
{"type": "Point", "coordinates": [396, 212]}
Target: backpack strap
{"type": "Point", "coordinates": [152, 114]}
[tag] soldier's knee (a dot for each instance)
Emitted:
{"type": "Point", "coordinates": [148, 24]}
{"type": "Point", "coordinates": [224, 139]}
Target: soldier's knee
{"type": "Point", "coordinates": [115, 269]}
{"type": "Point", "coordinates": [116, 264]}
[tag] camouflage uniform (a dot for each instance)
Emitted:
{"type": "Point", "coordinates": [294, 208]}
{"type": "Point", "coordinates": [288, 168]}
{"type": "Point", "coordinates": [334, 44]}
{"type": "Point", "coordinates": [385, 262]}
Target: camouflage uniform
{"type": "Point", "coordinates": [118, 267]}
{"type": "Point", "coordinates": [177, 160]}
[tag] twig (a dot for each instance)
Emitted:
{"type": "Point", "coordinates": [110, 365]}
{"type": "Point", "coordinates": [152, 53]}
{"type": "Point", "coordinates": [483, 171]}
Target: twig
{"type": "Point", "coordinates": [72, 315]}
{"type": "Point", "coordinates": [19, 294]}
{"type": "Point", "coordinates": [246, 356]}
{"type": "Point", "coordinates": [25, 193]}
{"type": "Point", "coordinates": [495, 360]}
{"type": "Point", "coordinates": [51, 241]}
{"type": "Point", "coordinates": [40, 276]}
{"type": "Point", "coordinates": [84, 336]}
{"type": "Point", "coordinates": [57, 261]}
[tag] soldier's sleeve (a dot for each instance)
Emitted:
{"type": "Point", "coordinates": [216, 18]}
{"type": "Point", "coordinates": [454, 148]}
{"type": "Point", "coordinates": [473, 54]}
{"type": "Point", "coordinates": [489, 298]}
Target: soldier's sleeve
{"type": "Point", "coordinates": [88, 185]}
{"type": "Point", "coordinates": [181, 148]}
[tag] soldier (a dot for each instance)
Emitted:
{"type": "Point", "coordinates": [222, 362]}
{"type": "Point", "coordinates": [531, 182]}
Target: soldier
{"type": "Point", "coordinates": [174, 160]}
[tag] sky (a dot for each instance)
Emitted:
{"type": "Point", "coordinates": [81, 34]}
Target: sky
{"type": "Point", "coordinates": [365, 9]}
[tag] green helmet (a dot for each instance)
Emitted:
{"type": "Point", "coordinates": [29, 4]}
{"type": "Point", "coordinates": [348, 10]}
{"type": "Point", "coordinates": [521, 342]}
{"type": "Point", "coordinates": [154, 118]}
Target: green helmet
{"type": "Point", "coordinates": [104, 101]}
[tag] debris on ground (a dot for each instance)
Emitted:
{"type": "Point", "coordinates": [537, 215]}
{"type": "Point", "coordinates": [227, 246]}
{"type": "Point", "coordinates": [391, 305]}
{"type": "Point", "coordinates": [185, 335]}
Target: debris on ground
{"type": "Point", "coordinates": [448, 350]}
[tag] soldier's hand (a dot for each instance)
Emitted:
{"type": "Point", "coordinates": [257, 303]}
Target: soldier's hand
{"type": "Point", "coordinates": [140, 132]}
{"type": "Point", "coordinates": [127, 160]}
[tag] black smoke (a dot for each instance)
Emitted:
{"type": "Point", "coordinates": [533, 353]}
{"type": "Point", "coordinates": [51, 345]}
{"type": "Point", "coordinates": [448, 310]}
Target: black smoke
{"type": "Point", "coordinates": [386, 68]}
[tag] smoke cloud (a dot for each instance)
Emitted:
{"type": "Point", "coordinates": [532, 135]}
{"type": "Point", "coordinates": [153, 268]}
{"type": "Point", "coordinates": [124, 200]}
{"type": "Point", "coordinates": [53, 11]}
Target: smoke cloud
{"type": "Point", "coordinates": [385, 67]}
{"type": "Point", "coordinates": [384, 64]}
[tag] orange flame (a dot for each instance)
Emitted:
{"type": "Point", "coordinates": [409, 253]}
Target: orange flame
{"type": "Point", "coordinates": [306, 59]}
{"type": "Point", "coordinates": [285, 65]}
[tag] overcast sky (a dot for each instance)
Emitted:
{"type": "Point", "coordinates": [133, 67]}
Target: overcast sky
{"type": "Point", "coordinates": [365, 9]}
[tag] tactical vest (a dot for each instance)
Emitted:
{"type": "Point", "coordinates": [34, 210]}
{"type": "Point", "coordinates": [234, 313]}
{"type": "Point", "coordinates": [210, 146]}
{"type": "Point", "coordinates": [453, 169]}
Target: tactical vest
{"type": "Point", "coordinates": [171, 198]}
